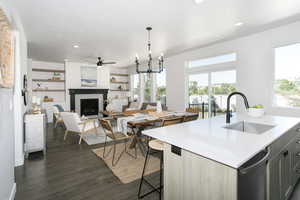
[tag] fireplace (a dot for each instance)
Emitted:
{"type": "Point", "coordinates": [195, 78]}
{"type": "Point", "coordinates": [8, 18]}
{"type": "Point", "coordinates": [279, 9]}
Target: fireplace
{"type": "Point", "coordinates": [77, 94]}
{"type": "Point", "coordinates": [89, 107]}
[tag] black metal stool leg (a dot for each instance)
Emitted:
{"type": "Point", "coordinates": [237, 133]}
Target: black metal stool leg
{"type": "Point", "coordinates": [144, 168]}
{"type": "Point", "coordinates": [154, 189]}
{"type": "Point", "coordinates": [161, 176]}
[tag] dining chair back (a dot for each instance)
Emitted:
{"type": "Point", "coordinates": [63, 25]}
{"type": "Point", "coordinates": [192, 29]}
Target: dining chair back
{"type": "Point", "coordinates": [190, 118]}
{"type": "Point", "coordinates": [172, 121]}
{"type": "Point", "coordinates": [108, 129]}
{"type": "Point", "coordinates": [193, 110]}
{"type": "Point", "coordinates": [115, 136]}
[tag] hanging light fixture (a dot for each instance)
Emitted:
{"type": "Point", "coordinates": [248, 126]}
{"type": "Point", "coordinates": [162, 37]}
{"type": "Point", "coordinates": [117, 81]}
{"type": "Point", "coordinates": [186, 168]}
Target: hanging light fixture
{"type": "Point", "coordinates": [150, 61]}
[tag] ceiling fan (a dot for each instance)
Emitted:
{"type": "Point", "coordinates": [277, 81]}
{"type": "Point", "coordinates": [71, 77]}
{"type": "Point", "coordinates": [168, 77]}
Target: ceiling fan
{"type": "Point", "coordinates": [101, 62]}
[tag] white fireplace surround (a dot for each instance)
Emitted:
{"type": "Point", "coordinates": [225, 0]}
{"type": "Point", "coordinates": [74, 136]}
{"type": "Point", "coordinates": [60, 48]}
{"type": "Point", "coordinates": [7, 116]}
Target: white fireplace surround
{"type": "Point", "coordinates": [78, 97]}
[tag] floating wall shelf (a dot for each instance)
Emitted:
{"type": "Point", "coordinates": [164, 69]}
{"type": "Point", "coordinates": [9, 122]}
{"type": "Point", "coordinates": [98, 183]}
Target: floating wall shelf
{"type": "Point", "coordinates": [50, 90]}
{"type": "Point", "coordinates": [48, 70]}
{"type": "Point", "coordinates": [119, 82]}
{"type": "Point", "coordinates": [117, 74]}
{"type": "Point", "coordinates": [48, 80]}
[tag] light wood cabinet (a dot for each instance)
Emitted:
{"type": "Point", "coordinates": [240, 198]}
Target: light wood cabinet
{"type": "Point", "coordinates": [197, 178]}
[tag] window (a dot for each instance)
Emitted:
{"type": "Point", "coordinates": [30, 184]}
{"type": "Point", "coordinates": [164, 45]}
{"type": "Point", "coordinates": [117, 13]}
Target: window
{"type": "Point", "coordinates": [287, 76]}
{"type": "Point", "coordinates": [210, 86]}
{"type": "Point", "coordinates": [222, 84]}
{"type": "Point", "coordinates": [147, 87]}
{"type": "Point", "coordinates": [198, 88]}
{"type": "Point", "coordinates": [161, 87]}
{"type": "Point", "coordinates": [213, 60]}
{"type": "Point", "coordinates": [209, 90]}
{"type": "Point", "coordinates": [135, 87]}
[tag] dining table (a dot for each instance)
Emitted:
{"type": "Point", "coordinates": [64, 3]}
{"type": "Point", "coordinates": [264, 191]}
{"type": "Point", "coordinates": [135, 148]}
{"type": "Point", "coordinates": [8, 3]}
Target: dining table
{"type": "Point", "coordinates": [137, 125]}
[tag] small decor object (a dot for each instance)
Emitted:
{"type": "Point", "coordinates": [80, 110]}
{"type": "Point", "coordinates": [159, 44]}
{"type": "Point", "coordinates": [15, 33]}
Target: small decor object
{"type": "Point", "coordinates": [256, 111]}
{"type": "Point", "coordinates": [113, 79]}
{"type": "Point", "coordinates": [56, 76]}
{"type": "Point", "coordinates": [36, 105]}
{"type": "Point", "coordinates": [150, 60]}
{"type": "Point", "coordinates": [6, 53]}
{"type": "Point", "coordinates": [88, 76]}
{"type": "Point", "coordinates": [24, 90]}
{"type": "Point", "coordinates": [47, 99]}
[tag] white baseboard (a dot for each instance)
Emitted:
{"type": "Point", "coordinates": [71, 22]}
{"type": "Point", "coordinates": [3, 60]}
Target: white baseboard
{"type": "Point", "coordinates": [13, 192]}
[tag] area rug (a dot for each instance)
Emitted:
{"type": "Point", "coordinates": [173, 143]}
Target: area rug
{"type": "Point", "coordinates": [129, 169]}
{"type": "Point", "coordinates": [93, 138]}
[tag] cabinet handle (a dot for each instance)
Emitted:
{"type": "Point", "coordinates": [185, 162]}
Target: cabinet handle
{"type": "Point", "coordinates": [298, 130]}
{"type": "Point", "coordinates": [298, 154]}
{"type": "Point", "coordinates": [298, 142]}
{"type": "Point", "coordinates": [285, 153]}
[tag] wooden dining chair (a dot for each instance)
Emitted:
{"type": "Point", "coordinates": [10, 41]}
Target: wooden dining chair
{"type": "Point", "coordinates": [190, 118]}
{"type": "Point", "coordinates": [193, 110]}
{"type": "Point", "coordinates": [172, 121]}
{"type": "Point", "coordinates": [116, 137]}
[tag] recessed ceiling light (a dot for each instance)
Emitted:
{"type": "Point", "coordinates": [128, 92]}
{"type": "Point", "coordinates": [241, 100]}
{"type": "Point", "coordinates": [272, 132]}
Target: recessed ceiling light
{"type": "Point", "coordinates": [239, 24]}
{"type": "Point", "coordinates": [76, 46]}
{"type": "Point", "coordinates": [199, 1]}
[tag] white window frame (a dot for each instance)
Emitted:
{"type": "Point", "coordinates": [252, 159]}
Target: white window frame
{"type": "Point", "coordinates": [272, 96]}
{"type": "Point", "coordinates": [209, 69]}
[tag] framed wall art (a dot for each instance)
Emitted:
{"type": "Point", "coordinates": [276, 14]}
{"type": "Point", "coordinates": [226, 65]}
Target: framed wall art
{"type": "Point", "coordinates": [6, 53]}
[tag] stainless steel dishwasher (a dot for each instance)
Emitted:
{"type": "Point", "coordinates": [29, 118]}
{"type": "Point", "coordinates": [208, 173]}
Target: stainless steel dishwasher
{"type": "Point", "coordinates": [252, 177]}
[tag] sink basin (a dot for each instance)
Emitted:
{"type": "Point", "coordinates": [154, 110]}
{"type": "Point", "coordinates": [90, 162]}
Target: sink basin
{"type": "Point", "coordinates": [249, 127]}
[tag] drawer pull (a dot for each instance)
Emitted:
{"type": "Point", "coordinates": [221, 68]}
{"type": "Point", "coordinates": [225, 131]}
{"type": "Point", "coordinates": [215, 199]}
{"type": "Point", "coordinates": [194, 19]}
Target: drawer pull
{"type": "Point", "coordinates": [298, 142]}
{"type": "Point", "coordinates": [298, 154]}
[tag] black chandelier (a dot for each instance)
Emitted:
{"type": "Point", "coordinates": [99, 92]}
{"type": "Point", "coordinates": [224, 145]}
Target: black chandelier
{"type": "Point", "coordinates": [150, 61]}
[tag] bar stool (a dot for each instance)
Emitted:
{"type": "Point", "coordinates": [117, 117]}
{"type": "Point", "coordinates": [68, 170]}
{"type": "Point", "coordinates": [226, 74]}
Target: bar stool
{"type": "Point", "coordinates": [156, 146]}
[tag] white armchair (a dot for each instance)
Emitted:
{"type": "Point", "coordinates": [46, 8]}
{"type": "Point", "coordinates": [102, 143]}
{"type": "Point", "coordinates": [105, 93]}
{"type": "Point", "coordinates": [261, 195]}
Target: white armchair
{"type": "Point", "coordinates": [74, 124]}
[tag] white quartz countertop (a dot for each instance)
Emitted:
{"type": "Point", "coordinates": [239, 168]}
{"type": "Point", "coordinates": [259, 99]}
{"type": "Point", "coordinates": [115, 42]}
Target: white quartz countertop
{"type": "Point", "coordinates": [208, 138]}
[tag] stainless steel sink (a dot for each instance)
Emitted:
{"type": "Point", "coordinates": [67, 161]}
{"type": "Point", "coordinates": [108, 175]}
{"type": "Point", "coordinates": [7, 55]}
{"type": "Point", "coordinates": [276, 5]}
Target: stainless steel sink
{"type": "Point", "coordinates": [249, 127]}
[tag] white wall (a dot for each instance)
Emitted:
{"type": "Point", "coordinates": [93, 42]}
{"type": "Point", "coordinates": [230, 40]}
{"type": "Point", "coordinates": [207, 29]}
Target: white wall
{"type": "Point", "coordinates": [11, 111]}
{"type": "Point", "coordinates": [7, 182]}
{"type": "Point", "coordinates": [255, 67]}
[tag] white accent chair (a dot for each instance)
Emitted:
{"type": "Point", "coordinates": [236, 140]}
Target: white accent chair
{"type": "Point", "coordinates": [56, 116]}
{"type": "Point", "coordinates": [74, 124]}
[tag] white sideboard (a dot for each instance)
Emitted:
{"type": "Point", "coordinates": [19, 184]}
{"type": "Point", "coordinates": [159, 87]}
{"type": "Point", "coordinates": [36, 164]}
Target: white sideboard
{"type": "Point", "coordinates": [35, 133]}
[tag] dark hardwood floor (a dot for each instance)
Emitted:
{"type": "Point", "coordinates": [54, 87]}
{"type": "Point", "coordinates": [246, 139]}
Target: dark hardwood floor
{"type": "Point", "coordinates": [71, 171]}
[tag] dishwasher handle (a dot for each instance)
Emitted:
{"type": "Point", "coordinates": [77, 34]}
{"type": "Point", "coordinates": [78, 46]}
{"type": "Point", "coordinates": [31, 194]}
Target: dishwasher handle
{"type": "Point", "coordinates": [257, 164]}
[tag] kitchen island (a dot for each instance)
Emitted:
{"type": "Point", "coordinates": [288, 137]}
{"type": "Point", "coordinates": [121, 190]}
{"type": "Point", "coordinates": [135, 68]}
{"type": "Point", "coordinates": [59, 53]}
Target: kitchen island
{"type": "Point", "coordinates": [209, 160]}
